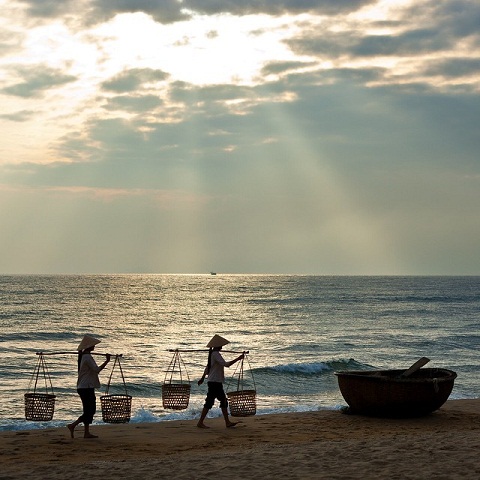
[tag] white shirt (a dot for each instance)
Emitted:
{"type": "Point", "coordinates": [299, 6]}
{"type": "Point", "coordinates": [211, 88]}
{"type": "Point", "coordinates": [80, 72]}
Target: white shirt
{"type": "Point", "coordinates": [88, 373]}
{"type": "Point", "coordinates": [216, 373]}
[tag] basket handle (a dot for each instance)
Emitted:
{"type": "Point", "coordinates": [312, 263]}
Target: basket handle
{"type": "Point", "coordinates": [177, 365]}
{"type": "Point", "coordinates": [115, 363]}
{"type": "Point", "coordinates": [240, 374]}
{"type": "Point", "coordinates": [41, 367]}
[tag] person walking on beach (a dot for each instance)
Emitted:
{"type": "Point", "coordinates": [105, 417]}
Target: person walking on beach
{"type": "Point", "coordinates": [216, 376]}
{"type": "Point", "coordinates": [87, 382]}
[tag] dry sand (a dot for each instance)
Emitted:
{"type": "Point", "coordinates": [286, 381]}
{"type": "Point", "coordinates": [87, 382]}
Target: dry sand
{"type": "Point", "coordinates": [323, 444]}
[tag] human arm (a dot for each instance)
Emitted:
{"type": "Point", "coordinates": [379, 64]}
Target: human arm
{"type": "Point", "coordinates": [90, 363]}
{"type": "Point", "coordinates": [240, 357]}
{"type": "Point", "coordinates": [219, 359]}
{"type": "Point", "coordinates": [104, 364]}
{"type": "Point", "coordinates": [202, 379]}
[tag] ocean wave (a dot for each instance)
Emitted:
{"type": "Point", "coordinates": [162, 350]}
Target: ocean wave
{"type": "Point", "coordinates": [34, 334]}
{"type": "Point", "coordinates": [313, 368]}
{"type": "Point", "coordinates": [146, 415]}
{"type": "Point", "coordinates": [301, 347]}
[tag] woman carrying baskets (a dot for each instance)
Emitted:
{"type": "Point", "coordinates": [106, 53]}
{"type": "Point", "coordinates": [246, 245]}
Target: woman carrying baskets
{"type": "Point", "coordinates": [216, 376]}
{"type": "Point", "coordinates": [87, 382]}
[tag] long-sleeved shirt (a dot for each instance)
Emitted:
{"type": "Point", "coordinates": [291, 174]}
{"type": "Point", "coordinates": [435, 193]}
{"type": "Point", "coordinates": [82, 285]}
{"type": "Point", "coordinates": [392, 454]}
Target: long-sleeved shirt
{"type": "Point", "coordinates": [217, 365]}
{"type": "Point", "coordinates": [88, 373]}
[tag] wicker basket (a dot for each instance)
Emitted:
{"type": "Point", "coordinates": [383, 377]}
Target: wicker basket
{"type": "Point", "coordinates": [116, 408]}
{"type": "Point", "coordinates": [176, 386]}
{"type": "Point", "coordinates": [242, 403]}
{"type": "Point", "coordinates": [175, 396]}
{"type": "Point", "coordinates": [39, 407]}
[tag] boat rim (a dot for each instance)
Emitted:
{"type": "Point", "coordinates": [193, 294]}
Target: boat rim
{"type": "Point", "coordinates": [377, 374]}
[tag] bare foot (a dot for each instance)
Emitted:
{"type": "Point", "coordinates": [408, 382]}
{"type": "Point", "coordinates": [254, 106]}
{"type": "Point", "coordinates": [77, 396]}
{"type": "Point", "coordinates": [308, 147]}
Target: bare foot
{"type": "Point", "coordinates": [232, 424]}
{"type": "Point", "coordinates": [72, 429]}
{"type": "Point", "coordinates": [90, 435]}
{"type": "Point", "coordinates": [202, 425]}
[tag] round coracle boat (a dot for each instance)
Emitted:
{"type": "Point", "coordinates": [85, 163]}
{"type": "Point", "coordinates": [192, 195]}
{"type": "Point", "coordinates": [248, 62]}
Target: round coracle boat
{"type": "Point", "coordinates": [388, 393]}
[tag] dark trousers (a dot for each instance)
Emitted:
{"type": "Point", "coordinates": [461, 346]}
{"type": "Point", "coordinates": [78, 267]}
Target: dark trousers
{"type": "Point", "coordinates": [89, 403]}
{"type": "Point", "coordinates": [215, 391]}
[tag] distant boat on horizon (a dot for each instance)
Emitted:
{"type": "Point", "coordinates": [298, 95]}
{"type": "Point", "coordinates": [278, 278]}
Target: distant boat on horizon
{"type": "Point", "coordinates": [213, 273]}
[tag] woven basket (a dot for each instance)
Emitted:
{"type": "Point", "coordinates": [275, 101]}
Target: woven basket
{"type": "Point", "coordinates": [175, 396]}
{"type": "Point", "coordinates": [116, 408]}
{"type": "Point", "coordinates": [242, 403]}
{"type": "Point", "coordinates": [39, 407]}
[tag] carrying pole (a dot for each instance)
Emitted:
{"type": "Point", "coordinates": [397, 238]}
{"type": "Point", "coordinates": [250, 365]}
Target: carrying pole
{"type": "Point", "coordinates": [76, 353]}
{"type": "Point", "coordinates": [204, 350]}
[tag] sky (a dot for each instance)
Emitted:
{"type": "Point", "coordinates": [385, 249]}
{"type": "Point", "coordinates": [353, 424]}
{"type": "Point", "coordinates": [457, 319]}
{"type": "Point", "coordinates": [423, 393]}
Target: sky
{"type": "Point", "coordinates": [334, 137]}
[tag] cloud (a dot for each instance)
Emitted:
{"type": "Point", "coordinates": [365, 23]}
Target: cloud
{"type": "Point", "coordinates": [98, 11]}
{"type": "Point", "coordinates": [9, 40]}
{"type": "Point", "coordinates": [355, 44]}
{"type": "Point", "coordinates": [278, 67]}
{"type": "Point", "coordinates": [165, 11]}
{"type": "Point", "coordinates": [350, 146]}
{"type": "Point", "coordinates": [454, 67]}
{"type": "Point", "coordinates": [50, 8]}
{"type": "Point", "coordinates": [353, 127]}
{"type": "Point", "coordinates": [36, 80]}
{"type": "Point", "coordinates": [20, 116]}
{"type": "Point", "coordinates": [414, 42]}
{"type": "Point", "coordinates": [170, 11]}
{"type": "Point", "coordinates": [249, 7]}
{"type": "Point", "coordinates": [458, 18]}
{"type": "Point", "coordinates": [134, 104]}
{"type": "Point", "coordinates": [134, 79]}
{"type": "Point", "coordinates": [412, 48]}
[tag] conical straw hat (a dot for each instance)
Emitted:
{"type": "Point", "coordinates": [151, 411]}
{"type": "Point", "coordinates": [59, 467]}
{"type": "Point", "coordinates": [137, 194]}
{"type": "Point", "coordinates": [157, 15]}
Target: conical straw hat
{"type": "Point", "coordinates": [217, 341]}
{"type": "Point", "coordinates": [88, 342]}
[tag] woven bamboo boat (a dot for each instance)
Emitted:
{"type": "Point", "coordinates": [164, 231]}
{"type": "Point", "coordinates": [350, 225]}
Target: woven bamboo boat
{"type": "Point", "coordinates": [388, 393]}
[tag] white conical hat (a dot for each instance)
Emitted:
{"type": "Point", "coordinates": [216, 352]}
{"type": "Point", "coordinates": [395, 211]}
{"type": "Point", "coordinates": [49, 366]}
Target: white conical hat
{"type": "Point", "coordinates": [217, 341]}
{"type": "Point", "coordinates": [87, 342]}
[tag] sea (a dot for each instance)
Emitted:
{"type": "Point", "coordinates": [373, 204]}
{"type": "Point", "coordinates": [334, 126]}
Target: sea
{"type": "Point", "coordinates": [298, 331]}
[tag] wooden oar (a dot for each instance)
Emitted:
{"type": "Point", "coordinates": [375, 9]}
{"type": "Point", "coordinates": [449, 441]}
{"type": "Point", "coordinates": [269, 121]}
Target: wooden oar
{"type": "Point", "coordinates": [416, 366]}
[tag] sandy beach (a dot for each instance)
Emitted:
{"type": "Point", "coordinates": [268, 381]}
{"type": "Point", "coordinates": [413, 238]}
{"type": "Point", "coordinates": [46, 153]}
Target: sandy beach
{"type": "Point", "coordinates": [323, 444]}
